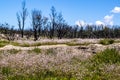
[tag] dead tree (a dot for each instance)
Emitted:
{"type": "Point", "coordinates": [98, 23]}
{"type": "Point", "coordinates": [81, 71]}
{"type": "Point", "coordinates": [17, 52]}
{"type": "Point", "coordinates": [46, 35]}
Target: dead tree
{"type": "Point", "coordinates": [21, 18]}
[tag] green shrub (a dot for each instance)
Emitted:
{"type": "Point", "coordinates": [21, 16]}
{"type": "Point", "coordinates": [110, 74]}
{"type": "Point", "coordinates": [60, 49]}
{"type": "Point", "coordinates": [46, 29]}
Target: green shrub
{"type": "Point", "coordinates": [3, 43]}
{"type": "Point", "coordinates": [6, 71]}
{"type": "Point", "coordinates": [106, 41]}
{"type": "Point", "coordinates": [46, 43]}
{"type": "Point", "coordinates": [36, 50]}
{"type": "Point", "coordinates": [50, 43]}
{"type": "Point", "coordinates": [36, 44]}
{"type": "Point", "coordinates": [107, 56]}
{"type": "Point", "coordinates": [15, 43]}
{"type": "Point", "coordinates": [97, 66]}
{"type": "Point", "coordinates": [40, 76]}
{"type": "Point", "coordinates": [25, 45]}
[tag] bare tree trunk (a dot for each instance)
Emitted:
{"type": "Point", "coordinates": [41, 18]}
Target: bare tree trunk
{"type": "Point", "coordinates": [21, 17]}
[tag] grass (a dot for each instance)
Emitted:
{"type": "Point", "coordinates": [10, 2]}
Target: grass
{"type": "Point", "coordinates": [104, 65]}
{"type": "Point", "coordinates": [35, 50]}
{"type": "Point", "coordinates": [35, 44]}
{"type": "Point", "coordinates": [110, 56]}
{"type": "Point", "coordinates": [47, 75]}
{"type": "Point", "coordinates": [25, 45]}
{"type": "Point", "coordinates": [11, 51]}
{"type": "Point", "coordinates": [45, 43]}
{"type": "Point", "coordinates": [6, 71]}
{"type": "Point", "coordinates": [15, 43]}
{"type": "Point", "coordinates": [3, 43]}
{"type": "Point", "coordinates": [98, 66]}
{"type": "Point", "coordinates": [106, 41]}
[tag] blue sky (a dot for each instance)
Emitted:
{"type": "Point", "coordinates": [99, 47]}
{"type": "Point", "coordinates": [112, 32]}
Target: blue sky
{"type": "Point", "coordinates": [74, 11]}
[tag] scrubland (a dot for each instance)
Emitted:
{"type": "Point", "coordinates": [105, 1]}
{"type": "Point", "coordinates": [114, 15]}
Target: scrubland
{"type": "Point", "coordinates": [66, 59]}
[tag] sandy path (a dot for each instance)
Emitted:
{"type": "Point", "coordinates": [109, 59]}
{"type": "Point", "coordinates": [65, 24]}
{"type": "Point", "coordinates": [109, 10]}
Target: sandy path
{"type": "Point", "coordinates": [8, 47]}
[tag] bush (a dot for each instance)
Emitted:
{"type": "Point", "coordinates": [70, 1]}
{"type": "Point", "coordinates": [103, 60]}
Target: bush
{"type": "Point", "coordinates": [15, 43]}
{"type": "Point", "coordinates": [5, 71]}
{"type": "Point", "coordinates": [25, 45]}
{"type": "Point", "coordinates": [98, 66]}
{"type": "Point", "coordinates": [3, 43]}
{"type": "Point", "coordinates": [36, 50]}
{"type": "Point", "coordinates": [106, 41]}
{"type": "Point", "coordinates": [107, 56]}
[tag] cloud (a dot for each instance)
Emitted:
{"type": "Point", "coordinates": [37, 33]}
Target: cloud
{"type": "Point", "coordinates": [98, 23]}
{"type": "Point", "coordinates": [80, 23]}
{"type": "Point", "coordinates": [108, 19]}
{"type": "Point", "coordinates": [116, 10]}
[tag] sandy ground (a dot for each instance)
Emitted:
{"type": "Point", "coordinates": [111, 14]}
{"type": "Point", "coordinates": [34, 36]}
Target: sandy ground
{"type": "Point", "coordinates": [8, 47]}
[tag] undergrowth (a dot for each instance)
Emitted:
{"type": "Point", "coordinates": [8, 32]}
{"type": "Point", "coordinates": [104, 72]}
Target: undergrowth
{"type": "Point", "coordinates": [106, 41]}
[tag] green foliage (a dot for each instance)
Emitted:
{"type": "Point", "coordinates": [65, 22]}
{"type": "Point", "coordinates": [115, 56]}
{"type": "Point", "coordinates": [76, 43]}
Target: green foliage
{"type": "Point", "coordinates": [97, 69]}
{"type": "Point", "coordinates": [36, 50]}
{"type": "Point", "coordinates": [21, 44]}
{"type": "Point", "coordinates": [15, 43]}
{"type": "Point", "coordinates": [36, 44]}
{"type": "Point", "coordinates": [25, 45]}
{"type": "Point", "coordinates": [46, 43]}
{"type": "Point", "coordinates": [32, 45]}
{"type": "Point", "coordinates": [3, 43]}
{"type": "Point", "coordinates": [106, 41]}
{"type": "Point", "coordinates": [94, 68]}
{"type": "Point", "coordinates": [108, 56]}
{"type": "Point", "coordinates": [6, 71]}
{"type": "Point", "coordinates": [46, 75]}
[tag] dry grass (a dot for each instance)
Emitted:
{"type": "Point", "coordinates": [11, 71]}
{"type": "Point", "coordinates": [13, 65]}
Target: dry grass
{"type": "Point", "coordinates": [59, 62]}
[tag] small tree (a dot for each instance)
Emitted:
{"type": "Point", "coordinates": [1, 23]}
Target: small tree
{"type": "Point", "coordinates": [60, 26]}
{"type": "Point", "coordinates": [36, 23]}
{"type": "Point", "coordinates": [53, 16]}
{"type": "Point", "coordinates": [21, 17]}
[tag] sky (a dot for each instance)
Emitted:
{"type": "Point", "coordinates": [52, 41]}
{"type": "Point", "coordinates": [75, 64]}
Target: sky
{"type": "Point", "coordinates": [75, 12]}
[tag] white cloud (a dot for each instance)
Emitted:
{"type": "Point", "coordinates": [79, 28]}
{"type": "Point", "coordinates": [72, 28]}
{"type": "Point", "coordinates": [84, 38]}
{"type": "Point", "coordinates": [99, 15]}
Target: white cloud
{"type": "Point", "coordinates": [116, 10]}
{"type": "Point", "coordinates": [80, 23]}
{"type": "Point", "coordinates": [98, 23]}
{"type": "Point", "coordinates": [108, 19]}
{"type": "Point", "coordinates": [111, 23]}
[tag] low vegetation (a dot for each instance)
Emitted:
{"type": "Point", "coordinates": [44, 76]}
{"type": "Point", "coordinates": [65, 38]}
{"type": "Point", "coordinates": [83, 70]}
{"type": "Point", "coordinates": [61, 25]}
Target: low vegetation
{"type": "Point", "coordinates": [74, 62]}
{"type": "Point", "coordinates": [36, 50]}
{"type": "Point", "coordinates": [104, 66]}
{"type": "Point", "coordinates": [110, 56]}
{"type": "Point", "coordinates": [106, 41]}
{"type": "Point", "coordinates": [3, 43]}
{"type": "Point", "coordinates": [60, 64]}
{"type": "Point", "coordinates": [45, 43]}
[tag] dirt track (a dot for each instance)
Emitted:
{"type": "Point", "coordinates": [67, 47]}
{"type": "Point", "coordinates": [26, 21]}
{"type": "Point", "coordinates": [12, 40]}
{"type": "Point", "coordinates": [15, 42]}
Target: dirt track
{"type": "Point", "coordinates": [8, 47]}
